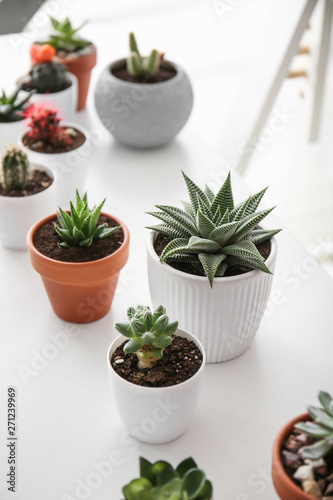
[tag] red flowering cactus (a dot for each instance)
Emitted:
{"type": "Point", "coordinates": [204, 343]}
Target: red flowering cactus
{"type": "Point", "coordinates": [43, 125]}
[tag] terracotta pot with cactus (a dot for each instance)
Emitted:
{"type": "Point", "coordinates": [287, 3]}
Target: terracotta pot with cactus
{"type": "Point", "coordinates": [76, 53]}
{"type": "Point", "coordinates": [79, 254]}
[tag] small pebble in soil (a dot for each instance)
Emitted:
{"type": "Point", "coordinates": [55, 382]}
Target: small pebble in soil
{"type": "Point", "coordinates": [118, 361]}
{"type": "Point", "coordinates": [311, 488]}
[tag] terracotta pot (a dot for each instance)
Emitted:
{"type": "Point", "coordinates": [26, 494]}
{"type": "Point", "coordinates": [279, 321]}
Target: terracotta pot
{"type": "Point", "coordinates": [79, 292]}
{"type": "Point", "coordinates": [284, 486]}
{"type": "Point", "coordinates": [81, 67]}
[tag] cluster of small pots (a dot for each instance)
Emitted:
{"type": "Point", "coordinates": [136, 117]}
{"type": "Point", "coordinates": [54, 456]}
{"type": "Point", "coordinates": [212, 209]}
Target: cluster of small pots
{"type": "Point", "coordinates": [157, 114]}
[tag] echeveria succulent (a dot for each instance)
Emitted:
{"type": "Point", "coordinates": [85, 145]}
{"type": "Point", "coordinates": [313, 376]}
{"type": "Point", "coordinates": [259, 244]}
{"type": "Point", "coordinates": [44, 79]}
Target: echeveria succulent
{"type": "Point", "coordinates": [150, 332]}
{"type": "Point", "coordinates": [160, 481]}
{"type": "Point", "coordinates": [320, 428]}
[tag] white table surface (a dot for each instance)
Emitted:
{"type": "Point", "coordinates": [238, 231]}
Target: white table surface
{"type": "Point", "coordinates": [67, 422]}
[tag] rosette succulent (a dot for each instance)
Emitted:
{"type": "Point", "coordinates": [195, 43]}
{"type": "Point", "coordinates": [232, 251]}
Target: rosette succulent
{"type": "Point", "coordinates": [142, 66]}
{"type": "Point", "coordinates": [150, 332]}
{"type": "Point", "coordinates": [80, 226]}
{"type": "Point", "coordinates": [321, 428]}
{"type": "Point", "coordinates": [213, 231]}
{"type": "Point", "coordinates": [64, 36]}
{"type": "Point", "coordinates": [160, 481]}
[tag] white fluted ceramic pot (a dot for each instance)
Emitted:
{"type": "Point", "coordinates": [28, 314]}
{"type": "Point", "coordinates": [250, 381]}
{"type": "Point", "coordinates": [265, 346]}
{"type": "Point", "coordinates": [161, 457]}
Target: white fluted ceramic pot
{"type": "Point", "coordinates": [224, 318]}
{"type": "Point", "coordinates": [18, 214]}
{"type": "Point", "coordinates": [143, 115]}
{"type": "Point", "coordinates": [9, 132]}
{"type": "Point", "coordinates": [156, 415]}
{"type": "Point", "coordinates": [70, 167]}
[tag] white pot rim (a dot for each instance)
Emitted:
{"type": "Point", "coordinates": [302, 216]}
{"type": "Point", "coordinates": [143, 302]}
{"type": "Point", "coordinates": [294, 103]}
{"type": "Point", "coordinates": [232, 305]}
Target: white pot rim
{"type": "Point", "coordinates": [33, 166]}
{"type": "Point", "coordinates": [61, 124]}
{"type": "Point", "coordinates": [152, 390]}
{"type": "Point", "coordinates": [203, 279]}
{"type": "Point", "coordinates": [69, 76]}
{"type": "Point", "coordinates": [171, 81]}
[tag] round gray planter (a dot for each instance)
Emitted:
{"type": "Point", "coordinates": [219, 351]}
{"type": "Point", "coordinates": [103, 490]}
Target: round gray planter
{"type": "Point", "coordinates": [143, 115]}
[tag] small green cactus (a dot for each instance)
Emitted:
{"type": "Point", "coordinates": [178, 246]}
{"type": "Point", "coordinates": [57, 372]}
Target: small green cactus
{"type": "Point", "coordinates": [48, 76]}
{"type": "Point", "coordinates": [11, 106]}
{"type": "Point", "coordinates": [15, 169]}
{"type": "Point", "coordinates": [79, 228]}
{"type": "Point", "coordinates": [149, 333]}
{"type": "Point", "coordinates": [137, 65]}
{"type": "Point", "coordinates": [321, 428]}
{"type": "Point", "coordinates": [160, 481]}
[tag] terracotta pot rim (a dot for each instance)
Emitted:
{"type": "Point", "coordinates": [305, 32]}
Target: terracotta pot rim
{"type": "Point", "coordinates": [278, 470]}
{"type": "Point", "coordinates": [76, 265]}
{"type": "Point", "coordinates": [224, 279]}
{"type": "Point", "coordinates": [170, 81]}
{"type": "Point", "coordinates": [160, 389]}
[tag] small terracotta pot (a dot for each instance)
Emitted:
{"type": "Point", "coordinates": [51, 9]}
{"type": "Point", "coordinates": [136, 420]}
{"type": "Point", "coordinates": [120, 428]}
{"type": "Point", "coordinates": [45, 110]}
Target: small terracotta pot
{"type": "Point", "coordinates": [81, 67]}
{"type": "Point", "coordinates": [79, 292]}
{"type": "Point", "coordinates": [284, 486]}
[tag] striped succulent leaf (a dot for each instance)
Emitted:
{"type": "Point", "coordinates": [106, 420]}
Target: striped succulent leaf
{"type": "Point", "coordinates": [212, 230]}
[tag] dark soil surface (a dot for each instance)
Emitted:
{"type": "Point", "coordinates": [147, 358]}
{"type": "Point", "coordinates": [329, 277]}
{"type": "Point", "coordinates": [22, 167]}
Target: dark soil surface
{"type": "Point", "coordinates": [38, 182]}
{"type": "Point", "coordinates": [46, 241]}
{"type": "Point", "coordinates": [27, 87]}
{"type": "Point", "coordinates": [291, 460]}
{"type": "Point", "coordinates": [161, 242]}
{"type": "Point", "coordinates": [43, 147]}
{"type": "Point", "coordinates": [164, 73]}
{"type": "Point", "coordinates": [180, 361]}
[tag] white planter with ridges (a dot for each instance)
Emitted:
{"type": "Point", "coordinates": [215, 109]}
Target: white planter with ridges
{"type": "Point", "coordinates": [63, 100]}
{"type": "Point", "coordinates": [18, 214]}
{"type": "Point", "coordinates": [224, 318]}
{"type": "Point", "coordinates": [70, 167]}
{"type": "Point", "coordinates": [156, 415]}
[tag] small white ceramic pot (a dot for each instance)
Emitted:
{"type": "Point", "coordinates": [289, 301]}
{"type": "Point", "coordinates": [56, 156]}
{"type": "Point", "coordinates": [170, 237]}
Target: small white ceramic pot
{"type": "Point", "coordinates": [64, 100]}
{"type": "Point", "coordinates": [143, 115]}
{"type": "Point", "coordinates": [226, 317]}
{"type": "Point", "coordinates": [18, 214]}
{"type": "Point", "coordinates": [71, 167]}
{"type": "Point", "coordinates": [156, 415]}
{"type": "Point", "coordinates": [9, 132]}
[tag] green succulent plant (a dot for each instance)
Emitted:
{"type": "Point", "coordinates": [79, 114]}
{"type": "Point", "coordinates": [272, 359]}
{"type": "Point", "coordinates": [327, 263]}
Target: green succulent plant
{"type": "Point", "coordinates": [213, 231]}
{"type": "Point", "coordinates": [142, 66]}
{"type": "Point", "coordinates": [321, 428]}
{"type": "Point", "coordinates": [79, 227]}
{"type": "Point", "coordinates": [160, 481]}
{"type": "Point", "coordinates": [15, 169]}
{"type": "Point", "coordinates": [65, 37]}
{"type": "Point", "coordinates": [149, 332]}
{"type": "Point", "coordinates": [11, 106]}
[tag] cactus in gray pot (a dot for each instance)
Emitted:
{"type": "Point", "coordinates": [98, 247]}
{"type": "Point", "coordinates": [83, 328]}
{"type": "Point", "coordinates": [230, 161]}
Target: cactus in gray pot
{"type": "Point", "coordinates": [142, 66]}
{"type": "Point", "coordinates": [15, 169]}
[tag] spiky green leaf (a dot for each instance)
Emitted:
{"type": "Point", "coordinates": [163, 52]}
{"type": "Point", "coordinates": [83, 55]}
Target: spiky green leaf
{"type": "Point", "coordinates": [210, 263]}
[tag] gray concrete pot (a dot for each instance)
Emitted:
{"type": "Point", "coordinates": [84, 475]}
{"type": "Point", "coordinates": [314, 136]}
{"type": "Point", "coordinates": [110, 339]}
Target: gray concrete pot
{"type": "Point", "coordinates": [143, 115]}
